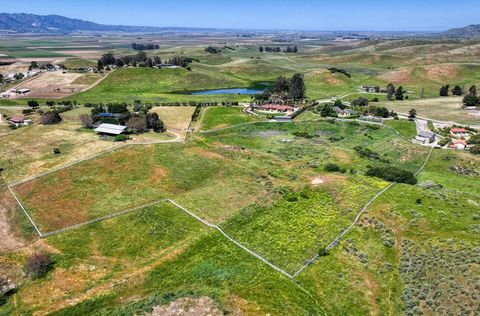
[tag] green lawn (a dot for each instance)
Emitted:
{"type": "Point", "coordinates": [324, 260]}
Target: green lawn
{"type": "Point", "coordinates": [406, 128]}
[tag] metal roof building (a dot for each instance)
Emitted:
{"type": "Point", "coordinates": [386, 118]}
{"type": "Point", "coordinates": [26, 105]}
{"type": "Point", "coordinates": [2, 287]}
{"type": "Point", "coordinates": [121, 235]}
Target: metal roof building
{"type": "Point", "coordinates": [111, 129]}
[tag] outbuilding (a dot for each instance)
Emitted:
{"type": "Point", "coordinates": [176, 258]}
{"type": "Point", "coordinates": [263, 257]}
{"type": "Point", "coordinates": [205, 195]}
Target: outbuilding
{"type": "Point", "coordinates": [425, 137]}
{"type": "Point", "coordinates": [16, 120]}
{"type": "Point", "coordinates": [110, 129]}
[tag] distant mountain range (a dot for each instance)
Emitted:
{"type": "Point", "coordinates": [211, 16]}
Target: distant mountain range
{"type": "Point", "coordinates": [13, 23]}
{"type": "Point", "coordinates": [469, 31]}
{"type": "Point", "coordinates": [32, 23]}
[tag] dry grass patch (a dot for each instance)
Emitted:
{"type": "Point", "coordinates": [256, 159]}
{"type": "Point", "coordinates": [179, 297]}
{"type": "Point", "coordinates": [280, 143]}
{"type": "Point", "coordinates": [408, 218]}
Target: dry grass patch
{"type": "Point", "coordinates": [176, 118]}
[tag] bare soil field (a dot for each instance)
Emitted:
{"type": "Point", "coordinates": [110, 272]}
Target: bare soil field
{"type": "Point", "coordinates": [57, 85]}
{"type": "Point", "coordinates": [85, 54]}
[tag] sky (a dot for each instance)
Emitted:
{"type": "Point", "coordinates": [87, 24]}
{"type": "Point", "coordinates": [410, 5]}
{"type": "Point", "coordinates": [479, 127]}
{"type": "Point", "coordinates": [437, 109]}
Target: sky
{"type": "Point", "coordinates": [320, 15]}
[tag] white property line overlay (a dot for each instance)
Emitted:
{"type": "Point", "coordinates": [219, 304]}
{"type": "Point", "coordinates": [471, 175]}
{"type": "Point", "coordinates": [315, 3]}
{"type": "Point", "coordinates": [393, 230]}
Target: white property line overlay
{"type": "Point", "coordinates": [344, 232]}
{"type": "Point", "coordinates": [130, 210]}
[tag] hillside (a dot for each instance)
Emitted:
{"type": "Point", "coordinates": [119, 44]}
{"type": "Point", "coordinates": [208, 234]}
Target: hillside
{"type": "Point", "coordinates": [464, 32]}
{"type": "Point", "coordinates": [32, 23]}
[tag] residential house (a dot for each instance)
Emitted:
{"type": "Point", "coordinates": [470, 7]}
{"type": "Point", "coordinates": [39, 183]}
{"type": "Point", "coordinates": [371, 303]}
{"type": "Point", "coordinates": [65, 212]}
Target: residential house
{"type": "Point", "coordinates": [277, 108]}
{"type": "Point", "coordinates": [344, 113]}
{"type": "Point", "coordinates": [16, 120]}
{"type": "Point", "coordinates": [459, 132]}
{"type": "Point", "coordinates": [458, 144]}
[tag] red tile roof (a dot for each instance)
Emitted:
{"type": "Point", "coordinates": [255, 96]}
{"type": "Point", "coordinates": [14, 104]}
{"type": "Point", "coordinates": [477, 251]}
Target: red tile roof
{"type": "Point", "coordinates": [277, 107]}
{"type": "Point", "coordinates": [460, 141]}
{"type": "Point", "coordinates": [17, 119]}
{"type": "Point", "coordinates": [458, 130]}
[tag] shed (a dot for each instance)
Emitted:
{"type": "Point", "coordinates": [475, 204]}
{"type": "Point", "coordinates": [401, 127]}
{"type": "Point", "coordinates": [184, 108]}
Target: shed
{"type": "Point", "coordinates": [426, 137]}
{"type": "Point", "coordinates": [110, 129]}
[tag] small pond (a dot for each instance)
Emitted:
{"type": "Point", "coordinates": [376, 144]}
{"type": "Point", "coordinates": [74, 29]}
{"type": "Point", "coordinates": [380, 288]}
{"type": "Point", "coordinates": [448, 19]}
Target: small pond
{"type": "Point", "coordinates": [243, 91]}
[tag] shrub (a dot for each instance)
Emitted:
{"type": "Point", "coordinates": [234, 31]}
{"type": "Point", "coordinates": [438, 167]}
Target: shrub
{"type": "Point", "coordinates": [475, 150]}
{"type": "Point", "coordinates": [56, 151]}
{"type": "Point", "coordinates": [38, 265]}
{"type": "Point", "coordinates": [331, 167]}
{"type": "Point", "coordinates": [392, 174]}
{"type": "Point", "coordinates": [120, 138]}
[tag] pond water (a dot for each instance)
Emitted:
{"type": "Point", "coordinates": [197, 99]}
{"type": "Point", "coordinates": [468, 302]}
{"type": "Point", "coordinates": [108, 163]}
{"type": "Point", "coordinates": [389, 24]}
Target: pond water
{"type": "Point", "coordinates": [243, 91]}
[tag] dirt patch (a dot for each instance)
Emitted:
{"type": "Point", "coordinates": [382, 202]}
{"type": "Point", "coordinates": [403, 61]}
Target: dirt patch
{"type": "Point", "coordinates": [56, 84]}
{"type": "Point", "coordinates": [265, 134]}
{"type": "Point", "coordinates": [317, 181]}
{"type": "Point", "coordinates": [441, 73]}
{"type": "Point", "coordinates": [157, 174]}
{"type": "Point", "coordinates": [397, 76]}
{"type": "Point", "coordinates": [202, 306]}
{"type": "Point", "coordinates": [334, 81]}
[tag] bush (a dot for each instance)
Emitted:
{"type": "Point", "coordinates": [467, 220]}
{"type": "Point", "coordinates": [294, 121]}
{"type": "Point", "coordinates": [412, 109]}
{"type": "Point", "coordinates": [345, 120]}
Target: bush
{"type": "Point", "coordinates": [38, 265]}
{"type": "Point", "coordinates": [331, 167]}
{"type": "Point", "coordinates": [392, 174]}
{"type": "Point", "coordinates": [120, 138]}
{"type": "Point", "coordinates": [475, 150]}
{"type": "Point", "coordinates": [56, 151]}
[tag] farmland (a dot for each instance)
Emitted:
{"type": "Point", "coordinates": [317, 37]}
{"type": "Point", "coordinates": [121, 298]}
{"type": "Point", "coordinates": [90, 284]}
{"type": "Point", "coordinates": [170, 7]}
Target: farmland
{"type": "Point", "coordinates": [233, 210]}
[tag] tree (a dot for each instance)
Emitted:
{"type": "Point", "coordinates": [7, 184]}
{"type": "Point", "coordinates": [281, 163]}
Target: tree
{"type": "Point", "coordinates": [155, 123]}
{"type": "Point", "coordinates": [444, 90]}
{"type": "Point", "coordinates": [471, 100]}
{"type": "Point", "coordinates": [119, 62]}
{"type": "Point", "coordinates": [296, 87]}
{"type": "Point", "coordinates": [50, 118]}
{"type": "Point", "coordinates": [99, 65]}
{"type": "Point", "coordinates": [295, 49]}
{"type": "Point", "coordinates": [149, 62]}
{"type": "Point", "coordinates": [50, 103]}
{"type": "Point", "coordinates": [339, 103]}
{"type": "Point", "coordinates": [38, 265]}
{"type": "Point", "coordinates": [390, 91]}
{"type": "Point", "coordinates": [1, 78]}
{"type": "Point", "coordinates": [86, 120]}
{"type": "Point", "coordinates": [412, 114]}
{"type": "Point", "coordinates": [280, 85]}
{"type": "Point", "coordinates": [472, 90]}
{"type": "Point", "coordinates": [137, 124]}
{"type": "Point", "coordinates": [18, 76]}
{"type": "Point", "coordinates": [361, 101]}
{"type": "Point", "coordinates": [260, 49]}
{"type": "Point", "coordinates": [457, 90]}
{"type": "Point", "coordinates": [33, 104]}
{"type": "Point", "coordinates": [399, 94]}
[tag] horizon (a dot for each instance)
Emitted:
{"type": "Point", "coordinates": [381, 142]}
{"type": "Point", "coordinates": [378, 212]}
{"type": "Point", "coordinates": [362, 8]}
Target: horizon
{"type": "Point", "coordinates": [267, 16]}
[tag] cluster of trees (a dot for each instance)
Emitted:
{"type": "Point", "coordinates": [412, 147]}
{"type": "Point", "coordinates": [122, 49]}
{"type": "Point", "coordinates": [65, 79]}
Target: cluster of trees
{"type": "Point", "coordinates": [47, 66]}
{"type": "Point", "coordinates": [471, 99]}
{"type": "Point", "coordinates": [52, 116]}
{"type": "Point", "coordinates": [268, 49]}
{"type": "Point", "coordinates": [141, 60]}
{"type": "Point", "coordinates": [395, 94]}
{"type": "Point", "coordinates": [380, 112]}
{"type": "Point", "coordinates": [293, 87]}
{"type": "Point", "coordinates": [140, 120]}
{"type": "Point", "coordinates": [457, 90]}
{"type": "Point", "coordinates": [342, 71]}
{"type": "Point", "coordinates": [136, 46]}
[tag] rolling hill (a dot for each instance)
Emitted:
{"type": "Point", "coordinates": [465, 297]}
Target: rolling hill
{"type": "Point", "coordinates": [32, 23]}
